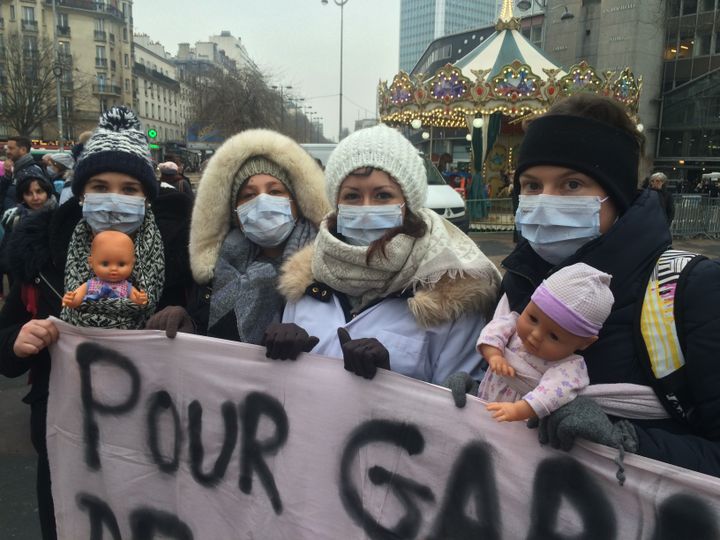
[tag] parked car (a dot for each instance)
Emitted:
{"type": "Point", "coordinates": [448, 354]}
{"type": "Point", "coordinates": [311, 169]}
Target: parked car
{"type": "Point", "coordinates": [441, 198]}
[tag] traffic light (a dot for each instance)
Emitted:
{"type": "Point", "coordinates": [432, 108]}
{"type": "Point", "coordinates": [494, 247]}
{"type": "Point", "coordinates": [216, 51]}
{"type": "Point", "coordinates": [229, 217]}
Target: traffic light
{"type": "Point", "coordinates": [152, 133]}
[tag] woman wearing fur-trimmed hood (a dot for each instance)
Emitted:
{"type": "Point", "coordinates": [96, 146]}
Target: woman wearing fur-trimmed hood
{"type": "Point", "coordinates": [259, 201]}
{"type": "Point", "coordinates": [409, 287]}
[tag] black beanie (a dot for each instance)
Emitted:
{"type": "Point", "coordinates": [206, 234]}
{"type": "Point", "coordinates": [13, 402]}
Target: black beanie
{"type": "Point", "coordinates": [608, 155]}
{"type": "Point", "coordinates": [118, 144]}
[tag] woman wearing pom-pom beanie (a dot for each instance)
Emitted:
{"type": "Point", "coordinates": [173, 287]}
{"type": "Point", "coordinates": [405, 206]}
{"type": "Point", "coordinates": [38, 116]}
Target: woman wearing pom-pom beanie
{"type": "Point", "coordinates": [48, 255]}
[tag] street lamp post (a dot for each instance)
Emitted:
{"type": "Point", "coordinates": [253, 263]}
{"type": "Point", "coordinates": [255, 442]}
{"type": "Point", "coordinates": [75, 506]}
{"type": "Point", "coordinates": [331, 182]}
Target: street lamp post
{"type": "Point", "coordinates": [297, 116]}
{"type": "Point", "coordinates": [340, 3]}
{"type": "Point", "coordinates": [57, 72]}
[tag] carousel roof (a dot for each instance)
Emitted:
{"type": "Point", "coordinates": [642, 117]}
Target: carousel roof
{"type": "Point", "coordinates": [506, 73]}
{"type": "Point", "coordinates": [502, 49]}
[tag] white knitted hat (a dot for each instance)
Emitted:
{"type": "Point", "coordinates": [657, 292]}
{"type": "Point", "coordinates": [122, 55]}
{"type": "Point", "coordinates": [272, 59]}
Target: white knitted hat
{"type": "Point", "coordinates": [577, 297]}
{"type": "Point", "coordinates": [383, 148]}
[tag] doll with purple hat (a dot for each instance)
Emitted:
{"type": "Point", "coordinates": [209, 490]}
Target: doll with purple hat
{"type": "Point", "coordinates": [534, 365]}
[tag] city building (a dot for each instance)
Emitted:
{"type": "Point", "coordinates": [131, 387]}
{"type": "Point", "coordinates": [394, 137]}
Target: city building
{"type": "Point", "coordinates": [233, 49]}
{"type": "Point", "coordinates": [689, 141]}
{"type": "Point", "coordinates": [95, 51]}
{"type": "Point", "coordinates": [158, 96]}
{"type": "Point", "coordinates": [422, 21]}
{"type": "Point", "coordinates": [612, 35]}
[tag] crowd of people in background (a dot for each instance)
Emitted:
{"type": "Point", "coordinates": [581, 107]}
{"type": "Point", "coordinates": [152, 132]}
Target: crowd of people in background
{"type": "Point", "coordinates": [273, 251]}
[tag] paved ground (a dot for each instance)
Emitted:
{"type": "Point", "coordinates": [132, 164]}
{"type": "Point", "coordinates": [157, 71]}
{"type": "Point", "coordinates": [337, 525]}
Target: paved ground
{"type": "Point", "coordinates": [18, 510]}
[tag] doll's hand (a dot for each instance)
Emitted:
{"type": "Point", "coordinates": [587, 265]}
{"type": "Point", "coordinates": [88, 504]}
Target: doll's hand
{"type": "Point", "coordinates": [510, 412]}
{"type": "Point", "coordinates": [500, 366]}
{"type": "Point", "coordinates": [34, 336]}
{"type": "Point", "coordinates": [71, 299]}
{"type": "Point", "coordinates": [139, 297]}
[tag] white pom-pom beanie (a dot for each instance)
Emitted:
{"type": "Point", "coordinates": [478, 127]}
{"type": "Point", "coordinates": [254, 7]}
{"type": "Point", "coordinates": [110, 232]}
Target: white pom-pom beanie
{"type": "Point", "coordinates": [384, 148]}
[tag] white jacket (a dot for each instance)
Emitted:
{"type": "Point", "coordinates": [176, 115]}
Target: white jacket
{"type": "Point", "coordinates": [429, 337]}
{"type": "Point", "coordinates": [429, 354]}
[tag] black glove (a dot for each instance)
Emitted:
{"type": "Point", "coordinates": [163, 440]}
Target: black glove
{"type": "Point", "coordinates": [286, 341]}
{"type": "Point", "coordinates": [172, 319]}
{"type": "Point", "coordinates": [363, 356]}
{"type": "Point", "coordinates": [584, 418]}
{"type": "Point", "coordinates": [461, 384]}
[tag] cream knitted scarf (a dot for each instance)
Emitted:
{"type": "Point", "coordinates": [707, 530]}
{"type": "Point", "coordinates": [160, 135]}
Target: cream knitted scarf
{"type": "Point", "coordinates": [411, 262]}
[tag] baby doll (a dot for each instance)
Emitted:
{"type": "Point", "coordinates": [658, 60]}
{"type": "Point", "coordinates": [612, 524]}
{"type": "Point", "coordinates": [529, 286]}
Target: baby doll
{"type": "Point", "coordinates": [112, 257]}
{"type": "Point", "coordinates": [533, 368]}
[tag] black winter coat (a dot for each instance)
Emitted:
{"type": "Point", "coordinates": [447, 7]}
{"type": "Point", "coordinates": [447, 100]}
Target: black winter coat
{"type": "Point", "coordinates": [38, 251]}
{"type": "Point", "coordinates": [628, 251]}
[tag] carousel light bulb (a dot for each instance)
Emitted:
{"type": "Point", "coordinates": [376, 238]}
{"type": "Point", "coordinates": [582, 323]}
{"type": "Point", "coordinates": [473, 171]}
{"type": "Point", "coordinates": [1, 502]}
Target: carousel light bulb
{"type": "Point", "coordinates": [640, 128]}
{"type": "Point", "coordinates": [425, 135]}
{"type": "Point", "coordinates": [468, 137]}
{"type": "Point", "coordinates": [416, 123]}
{"type": "Point", "coordinates": [477, 123]}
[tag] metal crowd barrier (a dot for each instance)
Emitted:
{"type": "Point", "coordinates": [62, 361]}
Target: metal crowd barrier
{"type": "Point", "coordinates": [696, 215]}
{"type": "Point", "coordinates": [490, 214]}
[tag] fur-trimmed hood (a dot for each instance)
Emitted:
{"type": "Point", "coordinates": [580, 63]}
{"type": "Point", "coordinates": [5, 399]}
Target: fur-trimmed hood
{"type": "Point", "coordinates": [212, 219]}
{"type": "Point", "coordinates": [444, 301]}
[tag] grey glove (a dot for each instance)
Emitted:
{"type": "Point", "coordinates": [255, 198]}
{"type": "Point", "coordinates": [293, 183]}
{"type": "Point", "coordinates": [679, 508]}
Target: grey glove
{"type": "Point", "coordinates": [584, 418]}
{"type": "Point", "coordinates": [461, 384]}
{"type": "Point", "coordinates": [172, 319]}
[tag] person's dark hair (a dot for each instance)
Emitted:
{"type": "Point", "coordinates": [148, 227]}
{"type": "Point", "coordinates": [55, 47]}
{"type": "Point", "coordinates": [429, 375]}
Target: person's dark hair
{"type": "Point", "coordinates": [22, 142]}
{"type": "Point", "coordinates": [600, 108]}
{"type": "Point", "coordinates": [23, 186]}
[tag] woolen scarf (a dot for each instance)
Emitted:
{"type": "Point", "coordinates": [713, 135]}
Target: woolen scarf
{"type": "Point", "coordinates": [148, 275]}
{"type": "Point", "coordinates": [409, 262]}
{"type": "Point", "coordinates": [246, 282]}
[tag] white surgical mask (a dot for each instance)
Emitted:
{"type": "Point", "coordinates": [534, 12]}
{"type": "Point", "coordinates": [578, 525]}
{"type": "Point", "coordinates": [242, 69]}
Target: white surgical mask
{"type": "Point", "coordinates": [111, 211]}
{"type": "Point", "coordinates": [362, 225]}
{"type": "Point", "coordinates": [51, 170]}
{"type": "Point", "coordinates": [266, 220]}
{"type": "Point", "coordinates": [557, 226]}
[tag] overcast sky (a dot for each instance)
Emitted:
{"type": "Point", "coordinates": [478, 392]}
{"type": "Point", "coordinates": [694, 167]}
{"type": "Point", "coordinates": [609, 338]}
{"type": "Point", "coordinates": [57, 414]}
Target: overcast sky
{"type": "Point", "coordinates": [296, 42]}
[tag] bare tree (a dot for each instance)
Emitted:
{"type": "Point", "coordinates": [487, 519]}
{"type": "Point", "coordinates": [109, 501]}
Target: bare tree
{"type": "Point", "coordinates": [27, 85]}
{"type": "Point", "coordinates": [233, 101]}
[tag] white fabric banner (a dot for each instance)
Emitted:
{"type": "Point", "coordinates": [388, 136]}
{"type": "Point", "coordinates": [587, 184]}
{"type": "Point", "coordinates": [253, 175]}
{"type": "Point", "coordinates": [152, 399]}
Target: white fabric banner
{"type": "Point", "coordinates": [207, 439]}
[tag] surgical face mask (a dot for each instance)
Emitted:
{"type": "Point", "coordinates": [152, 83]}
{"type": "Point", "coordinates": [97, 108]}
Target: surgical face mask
{"type": "Point", "coordinates": [557, 226]}
{"type": "Point", "coordinates": [111, 211]}
{"type": "Point", "coordinates": [266, 220]}
{"type": "Point", "coordinates": [362, 225]}
{"type": "Point", "coordinates": [51, 170]}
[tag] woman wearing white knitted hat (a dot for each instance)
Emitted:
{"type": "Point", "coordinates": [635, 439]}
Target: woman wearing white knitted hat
{"type": "Point", "coordinates": [387, 282]}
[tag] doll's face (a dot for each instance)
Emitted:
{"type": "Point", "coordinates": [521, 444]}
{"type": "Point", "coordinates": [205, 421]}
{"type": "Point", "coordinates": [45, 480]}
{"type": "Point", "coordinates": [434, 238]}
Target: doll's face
{"type": "Point", "coordinates": [112, 256]}
{"type": "Point", "coordinates": [543, 337]}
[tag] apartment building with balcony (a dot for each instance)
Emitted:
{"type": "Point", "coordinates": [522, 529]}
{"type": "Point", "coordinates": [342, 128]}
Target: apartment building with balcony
{"type": "Point", "coordinates": [94, 54]}
{"type": "Point", "coordinates": [158, 96]}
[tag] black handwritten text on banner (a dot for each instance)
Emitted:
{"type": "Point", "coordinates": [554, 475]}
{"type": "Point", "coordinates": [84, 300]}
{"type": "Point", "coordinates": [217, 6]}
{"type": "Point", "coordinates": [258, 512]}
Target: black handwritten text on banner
{"type": "Point", "coordinates": [196, 438]}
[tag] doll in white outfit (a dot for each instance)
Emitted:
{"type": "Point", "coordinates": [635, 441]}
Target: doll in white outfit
{"type": "Point", "coordinates": [533, 366]}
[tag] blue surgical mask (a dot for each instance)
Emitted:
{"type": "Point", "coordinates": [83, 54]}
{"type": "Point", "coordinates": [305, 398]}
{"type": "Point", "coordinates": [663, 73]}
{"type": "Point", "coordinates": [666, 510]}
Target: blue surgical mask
{"type": "Point", "coordinates": [557, 226]}
{"type": "Point", "coordinates": [266, 220]}
{"type": "Point", "coordinates": [111, 211]}
{"type": "Point", "coordinates": [362, 225]}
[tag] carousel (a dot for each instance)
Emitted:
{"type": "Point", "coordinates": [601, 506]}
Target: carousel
{"type": "Point", "coordinates": [490, 91]}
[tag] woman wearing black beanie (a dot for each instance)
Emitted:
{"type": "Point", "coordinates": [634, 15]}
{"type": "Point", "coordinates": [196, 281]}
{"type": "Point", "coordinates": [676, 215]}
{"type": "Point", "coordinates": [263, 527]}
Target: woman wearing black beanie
{"type": "Point", "coordinates": [577, 177]}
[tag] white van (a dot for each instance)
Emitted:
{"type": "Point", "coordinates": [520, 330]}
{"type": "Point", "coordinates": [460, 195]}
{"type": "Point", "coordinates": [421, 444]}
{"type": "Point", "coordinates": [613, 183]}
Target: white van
{"type": "Point", "coordinates": [441, 197]}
